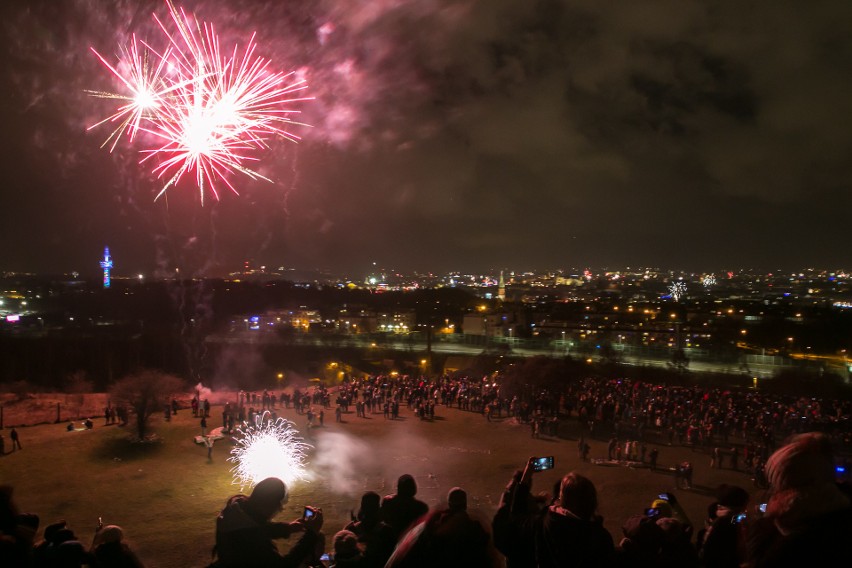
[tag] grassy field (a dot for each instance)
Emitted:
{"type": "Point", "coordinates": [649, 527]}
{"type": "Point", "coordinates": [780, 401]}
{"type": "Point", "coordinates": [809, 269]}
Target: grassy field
{"type": "Point", "coordinates": [166, 495]}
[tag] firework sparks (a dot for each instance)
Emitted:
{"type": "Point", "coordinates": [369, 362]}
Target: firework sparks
{"type": "Point", "coordinates": [207, 113]}
{"type": "Point", "coordinates": [268, 448]}
{"type": "Point", "coordinates": [709, 280]}
{"type": "Point", "coordinates": [677, 290]}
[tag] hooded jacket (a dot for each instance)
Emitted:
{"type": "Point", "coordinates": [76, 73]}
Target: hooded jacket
{"type": "Point", "coordinates": [246, 542]}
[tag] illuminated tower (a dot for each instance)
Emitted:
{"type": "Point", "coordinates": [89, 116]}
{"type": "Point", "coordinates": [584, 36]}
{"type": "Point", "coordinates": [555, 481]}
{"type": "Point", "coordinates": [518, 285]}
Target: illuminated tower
{"type": "Point", "coordinates": [106, 264]}
{"type": "Point", "coordinates": [501, 288]}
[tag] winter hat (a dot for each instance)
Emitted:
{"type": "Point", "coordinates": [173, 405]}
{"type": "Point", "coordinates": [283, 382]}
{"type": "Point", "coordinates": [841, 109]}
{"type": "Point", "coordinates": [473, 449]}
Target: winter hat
{"type": "Point", "coordinates": [63, 535]}
{"type": "Point", "coordinates": [808, 460]}
{"type": "Point", "coordinates": [406, 486]}
{"type": "Point", "coordinates": [345, 544]}
{"type": "Point", "coordinates": [664, 507]}
{"type": "Point", "coordinates": [51, 530]}
{"type": "Point", "coordinates": [643, 532]}
{"type": "Point", "coordinates": [803, 483]}
{"type": "Point", "coordinates": [457, 499]}
{"type": "Point", "coordinates": [731, 496]}
{"type": "Point", "coordinates": [370, 505]}
{"type": "Point", "coordinates": [112, 533]}
{"type": "Point", "coordinates": [269, 490]}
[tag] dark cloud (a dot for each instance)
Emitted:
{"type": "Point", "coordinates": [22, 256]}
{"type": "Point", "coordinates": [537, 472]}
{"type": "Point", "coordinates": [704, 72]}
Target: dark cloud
{"type": "Point", "coordinates": [458, 134]}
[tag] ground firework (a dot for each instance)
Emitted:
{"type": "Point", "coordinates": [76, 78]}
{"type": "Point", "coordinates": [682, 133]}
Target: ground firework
{"type": "Point", "coordinates": [207, 113]}
{"type": "Point", "coordinates": [268, 448]}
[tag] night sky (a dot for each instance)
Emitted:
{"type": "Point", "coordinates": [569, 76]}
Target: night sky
{"type": "Point", "coordinates": [455, 135]}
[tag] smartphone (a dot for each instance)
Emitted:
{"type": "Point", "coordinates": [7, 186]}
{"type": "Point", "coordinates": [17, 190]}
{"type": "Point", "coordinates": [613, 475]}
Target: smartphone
{"type": "Point", "coordinates": [543, 463]}
{"type": "Point", "coordinates": [762, 507]}
{"type": "Point", "coordinates": [738, 518]}
{"type": "Point", "coordinates": [308, 514]}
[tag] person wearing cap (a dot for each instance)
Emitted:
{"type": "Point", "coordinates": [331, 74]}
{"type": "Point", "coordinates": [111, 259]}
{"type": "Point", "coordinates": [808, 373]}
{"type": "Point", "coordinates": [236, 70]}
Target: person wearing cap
{"type": "Point", "coordinates": [245, 531]}
{"type": "Point", "coordinates": [808, 519]}
{"type": "Point", "coordinates": [669, 507]}
{"type": "Point", "coordinates": [674, 535]}
{"type": "Point", "coordinates": [110, 550]}
{"type": "Point", "coordinates": [722, 542]}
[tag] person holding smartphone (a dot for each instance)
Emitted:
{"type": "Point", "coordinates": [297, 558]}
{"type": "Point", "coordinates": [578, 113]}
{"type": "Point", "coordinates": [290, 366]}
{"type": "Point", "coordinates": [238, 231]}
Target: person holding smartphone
{"type": "Point", "coordinates": [568, 532]}
{"type": "Point", "coordinates": [245, 531]}
{"type": "Point", "coordinates": [721, 543]}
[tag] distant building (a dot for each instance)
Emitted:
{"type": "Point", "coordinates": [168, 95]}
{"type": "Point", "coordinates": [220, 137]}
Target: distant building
{"type": "Point", "coordinates": [493, 324]}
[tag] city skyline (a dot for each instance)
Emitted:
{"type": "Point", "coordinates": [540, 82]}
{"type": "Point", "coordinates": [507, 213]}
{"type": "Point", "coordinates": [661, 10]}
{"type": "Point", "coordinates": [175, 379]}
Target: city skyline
{"type": "Point", "coordinates": [455, 136]}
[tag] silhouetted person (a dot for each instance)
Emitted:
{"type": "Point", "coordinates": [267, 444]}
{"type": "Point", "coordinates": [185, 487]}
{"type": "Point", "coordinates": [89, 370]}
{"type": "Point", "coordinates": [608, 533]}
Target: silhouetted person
{"type": "Point", "coordinates": [402, 509]}
{"type": "Point", "coordinates": [377, 537]}
{"type": "Point", "coordinates": [110, 550]}
{"type": "Point", "coordinates": [17, 531]}
{"type": "Point", "coordinates": [567, 533]}
{"type": "Point", "coordinates": [721, 545]}
{"type": "Point", "coordinates": [346, 551]}
{"type": "Point", "coordinates": [446, 538]}
{"type": "Point", "coordinates": [245, 531]}
{"type": "Point", "coordinates": [16, 442]}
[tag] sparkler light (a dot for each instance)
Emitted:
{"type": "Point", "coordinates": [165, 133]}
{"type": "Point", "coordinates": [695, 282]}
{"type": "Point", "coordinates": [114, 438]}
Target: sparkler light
{"type": "Point", "coordinates": [268, 448]}
{"type": "Point", "coordinates": [206, 112]}
{"type": "Point", "coordinates": [677, 290]}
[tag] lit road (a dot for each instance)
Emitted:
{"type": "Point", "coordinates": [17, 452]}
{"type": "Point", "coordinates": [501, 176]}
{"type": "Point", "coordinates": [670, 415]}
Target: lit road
{"type": "Point", "coordinates": [414, 344]}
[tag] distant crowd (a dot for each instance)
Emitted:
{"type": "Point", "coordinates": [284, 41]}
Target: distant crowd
{"type": "Point", "coordinates": [736, 428]}
{"type": "Point", "coordinates": [741, 427]}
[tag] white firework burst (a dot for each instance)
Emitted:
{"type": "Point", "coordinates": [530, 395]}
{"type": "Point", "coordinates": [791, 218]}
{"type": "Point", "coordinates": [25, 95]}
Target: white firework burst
{"type": "Point", "coordinates": [709, 280]}
{"type": "Point", "coordinates": [268, 448]}
{"type": "Point", "coordinates": [677, 290]}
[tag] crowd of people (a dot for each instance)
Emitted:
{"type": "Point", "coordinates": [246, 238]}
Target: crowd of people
{"type": "Point", "coordinates": [739, 429]}
{"type": "Point", "coordinates": [804, 520]}
{"type": "Point", "coordinates": [59, 546]}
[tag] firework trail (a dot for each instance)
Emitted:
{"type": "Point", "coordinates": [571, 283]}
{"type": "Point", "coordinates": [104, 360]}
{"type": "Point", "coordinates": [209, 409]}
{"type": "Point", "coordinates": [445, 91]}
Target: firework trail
{"type": "Point", "coordinates": [268, 448]}
{"type": "Point", "coordinates": [207, 112]}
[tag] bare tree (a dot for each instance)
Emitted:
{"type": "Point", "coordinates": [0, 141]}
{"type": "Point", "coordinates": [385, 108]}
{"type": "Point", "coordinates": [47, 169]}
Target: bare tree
{"type": "Point", "coordinates": [145, 393]}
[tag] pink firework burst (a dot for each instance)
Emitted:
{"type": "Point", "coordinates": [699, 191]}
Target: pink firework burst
{"type": "Point", "coordinates": [207, 113]}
